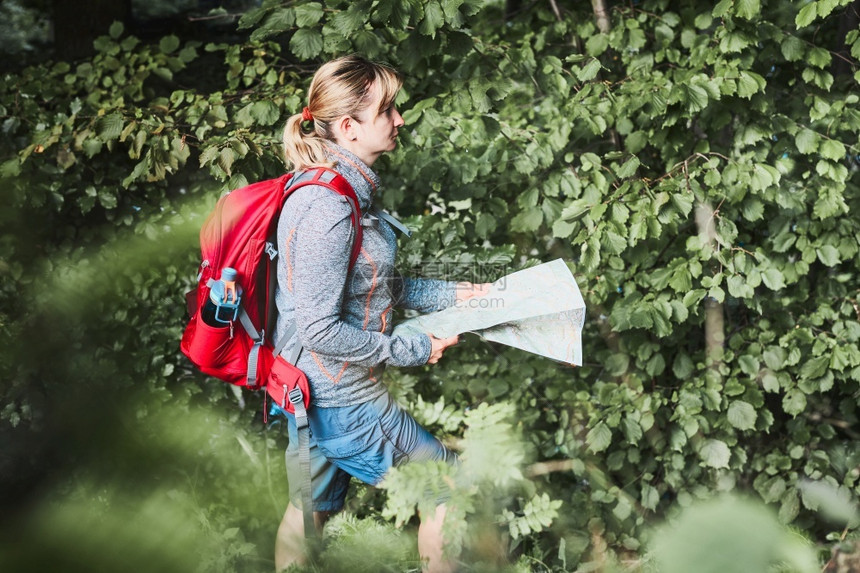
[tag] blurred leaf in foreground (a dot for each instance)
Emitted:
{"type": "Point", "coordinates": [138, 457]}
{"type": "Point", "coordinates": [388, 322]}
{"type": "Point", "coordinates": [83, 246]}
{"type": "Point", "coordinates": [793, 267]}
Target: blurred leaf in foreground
{"type": "Point", "coordinates": [730, 535]}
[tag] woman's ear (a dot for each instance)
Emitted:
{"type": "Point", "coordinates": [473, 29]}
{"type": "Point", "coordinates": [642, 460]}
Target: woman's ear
{"type": "Point", "coordinates": [345, 128]}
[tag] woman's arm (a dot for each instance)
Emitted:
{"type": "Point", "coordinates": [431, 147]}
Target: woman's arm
{"type": "Point", "coordinates": [320, 252]}
{"type": "Point", "coordinates": [429, 295]}
{"type": "Point", "coordinates": [424, 295]}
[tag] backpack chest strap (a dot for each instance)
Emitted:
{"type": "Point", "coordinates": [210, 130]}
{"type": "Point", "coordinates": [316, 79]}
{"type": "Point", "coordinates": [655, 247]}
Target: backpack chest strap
{"type": "Point", "coordinates": [371, 219]}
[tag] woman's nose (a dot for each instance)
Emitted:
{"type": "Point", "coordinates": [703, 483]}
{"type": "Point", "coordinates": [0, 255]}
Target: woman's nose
{"type": "Point", "coordinates": [398, 119]}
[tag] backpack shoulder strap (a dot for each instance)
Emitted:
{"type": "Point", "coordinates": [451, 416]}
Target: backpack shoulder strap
{"type": "Point", "coordinates": [336, 182]}
{"type": "Point", "coordinates": [331, 179]}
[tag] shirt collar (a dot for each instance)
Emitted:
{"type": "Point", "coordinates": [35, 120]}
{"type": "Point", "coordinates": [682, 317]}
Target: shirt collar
{"type": "Point", "coordinates": [363, 179]}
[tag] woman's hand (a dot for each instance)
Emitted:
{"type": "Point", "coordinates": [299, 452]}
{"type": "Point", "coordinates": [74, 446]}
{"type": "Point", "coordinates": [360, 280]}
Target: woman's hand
{"type": "Point", "coordinates": [466, 290]}
{"type": "Point", "coordinates": [438, 346]}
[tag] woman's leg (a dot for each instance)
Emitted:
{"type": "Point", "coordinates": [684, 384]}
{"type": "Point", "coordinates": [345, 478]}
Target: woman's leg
{"type": "Point", "coordinates": [329, 486]}
{"type": "Point", "coordinates": [431, 546]}
{"type": "Point", "coordinates": [290, 545]}
{"type": "Point", "coordinates": [368, 439]}
{"type": "Point", "coordinates": [290, 541]}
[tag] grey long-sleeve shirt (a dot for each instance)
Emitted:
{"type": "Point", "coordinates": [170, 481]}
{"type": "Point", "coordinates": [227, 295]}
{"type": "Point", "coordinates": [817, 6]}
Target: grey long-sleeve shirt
{"type": "Point", "coordinates": [344, 319]}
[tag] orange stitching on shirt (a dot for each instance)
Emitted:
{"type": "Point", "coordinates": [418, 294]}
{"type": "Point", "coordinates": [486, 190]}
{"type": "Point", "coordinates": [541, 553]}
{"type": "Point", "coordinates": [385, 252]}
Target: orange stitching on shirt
{"type": "Point", "coordinates": [385, 318]}
{"type": "Point", "coordinates": [326, 372]}
{"type": "Point", "coordinates": [372, 288]}
{"type": "Point", "coordinates": [356, 166]}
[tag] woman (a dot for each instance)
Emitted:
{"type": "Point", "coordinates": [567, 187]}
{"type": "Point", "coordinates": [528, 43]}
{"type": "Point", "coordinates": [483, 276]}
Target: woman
{"type": "Point", "coordinates": [342, 314]}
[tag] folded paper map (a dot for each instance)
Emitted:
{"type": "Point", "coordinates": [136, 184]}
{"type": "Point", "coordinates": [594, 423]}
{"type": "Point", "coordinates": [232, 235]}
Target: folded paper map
{"type": "Point", "coordinates": [539, 309]}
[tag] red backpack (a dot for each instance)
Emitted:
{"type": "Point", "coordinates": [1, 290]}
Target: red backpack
{"type": "Point", "coordinates": [241, 233]}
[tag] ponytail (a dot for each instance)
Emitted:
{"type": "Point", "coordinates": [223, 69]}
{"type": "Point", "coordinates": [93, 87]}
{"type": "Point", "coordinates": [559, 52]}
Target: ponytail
{"type": "Point", "coordinates": [304, 149]}
{"type": "Point", "coordinates": [340, 87]}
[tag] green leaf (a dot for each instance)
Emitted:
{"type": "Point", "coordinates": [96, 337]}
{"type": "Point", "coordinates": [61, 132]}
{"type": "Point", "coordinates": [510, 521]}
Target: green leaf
{"type": "Point", "coordinates": [837, 504]}
{"type": "Point", "coordinates": [793, 48]}
{"type": "Point", "coordinates": [841, 357]}
{"type": "Point", "coordinates": [783, 241]}
{"type": "Point", "coordinates": [251, 18]}
{"type": "Point", "coordinates": [265, 112]}
{"type": "Point", "coordinates": [749, 364]}
{"type": "Point", "coordinates": [108, 199]}
{"type": "Point", "coordinates": [794, 402]}
{"type": "Point", "coordinates": [773, 279]}
{"type": "Point", "coordinates": [613, 242]}
{"type": "Point", "coordinates": [753, 209]}
{"type": "Point", "coordinates": [434, 18]}
{"type": "Point", "coordinates": [280, 20]}
{"type": "Point", "coordinates": [828, 255]}
{"type": "Point", "coordinates": [741, 415]}
{"type": "Point", "coordinates": [10, 168]}
{"type": "Point", "coordinates": [632, 430]}
{"type": "Point", "coordinates": [109, 127]}
{"type": "Point", "coordinates": [452, 9]}
{"type": "Point", "coordinates": [774, 357]}
{"type": "Point", "coordinates": [486, 224]}
{"type": "Point", "coordinates": [225, 160]}
{"type": "Point", "coordinates": [368, 43]}
{"type": "Point", "coordinates": [168, 44]}
{"type": "Point", "coordinates": [815, 367]}
{"type": "Point", "coordinates": [636, 141]}
{"type": "Point", "coordinates": [832, 149]}
{"type": "Point", "coordinates": [683, 366]}
{"type": "Point", "coordinates": [527, 220]}
{"type": "Point", "coordinates": [563, 229]}
{"type": "Point", "coordinates": [307, 15]}
{"type": "Point", "coordinates": [715, 453]}
{"type": "Point", "coordinates": [139, 170]}
{"type": "Point", "coordinates": [818, 57]}
{"type": "Point", "coordinates": [763, 176]}
{"type": "Point", "coordinates": [750, 83]}
{"type": "Point", "coordinates": [589, 71]}
{"type": "Point", "coordinates": [825, 7]}
{"type": "Point", "coordinates": [599, 437]}
{"type": "Point", "coordinates": [306, 43]}
{"type": "Point", "coordinates": [694, 96]}
{"type": "Point", "coordinates": [656, 365]}
{"type": "Point", "coordinates": [747, 9]}
{"type": "Point", "coordinates": [628, 169]}
{"type": "Point", "coordinates": [209, 155]}
{"type": "Point", "coordinates": [770, 382]}
{"type": "Point", "coordinates": [116, 29]}
{"type": "Point", "coordinates": [806, 141]}
{"type": "Point", "coordinates": [721, 9]}
{"type": "Point", "coordinates": [347, 22]}
{"type": "Point", "coordinates": [806, 15]}
{"type": "Point", "coordinates": [597, 44]}
{"type": "Point", "coordinates": [739, 288]}
{"type": "Point", "coordinates": [704, 20]}
{"type": "Point", "coordinates": [617, 364]}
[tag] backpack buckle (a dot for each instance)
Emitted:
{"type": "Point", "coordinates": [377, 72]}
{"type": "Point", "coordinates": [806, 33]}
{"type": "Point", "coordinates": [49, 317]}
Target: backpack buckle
{"type": "Point", "coordinates": [271, 251]}
{"type": "Point", "coordinates": [296, 395]}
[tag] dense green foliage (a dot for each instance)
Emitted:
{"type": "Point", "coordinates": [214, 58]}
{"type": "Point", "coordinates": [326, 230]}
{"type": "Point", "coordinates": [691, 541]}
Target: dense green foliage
{"type": "Point", "coordinates": [696, 165]}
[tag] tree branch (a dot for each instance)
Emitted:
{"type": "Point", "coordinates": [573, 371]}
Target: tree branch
{"type": "Point", "coordinates": [555, 9]}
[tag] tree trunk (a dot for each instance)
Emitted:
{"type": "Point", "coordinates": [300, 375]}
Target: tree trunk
{"type": "Point", "coordinates": [78, 24]}
{"type": "Point", "coordinates": [715, 334]}
{"type": "Point", "coordinates": [604, 24]}
{"type": "Point", "coordinates": [601, 16]}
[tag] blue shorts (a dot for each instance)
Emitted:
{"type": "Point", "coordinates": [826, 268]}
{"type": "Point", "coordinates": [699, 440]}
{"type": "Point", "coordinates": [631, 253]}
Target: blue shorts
{"type": "Point", "coordinates": [362, 441]}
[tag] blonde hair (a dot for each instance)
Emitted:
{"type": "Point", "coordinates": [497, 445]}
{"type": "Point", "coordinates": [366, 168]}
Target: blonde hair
{"type": "Point", "coordinates": [340, 87]}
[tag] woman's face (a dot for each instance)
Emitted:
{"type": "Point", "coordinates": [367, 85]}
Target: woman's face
{"type": "Point", "coordinates": [373, 132]}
